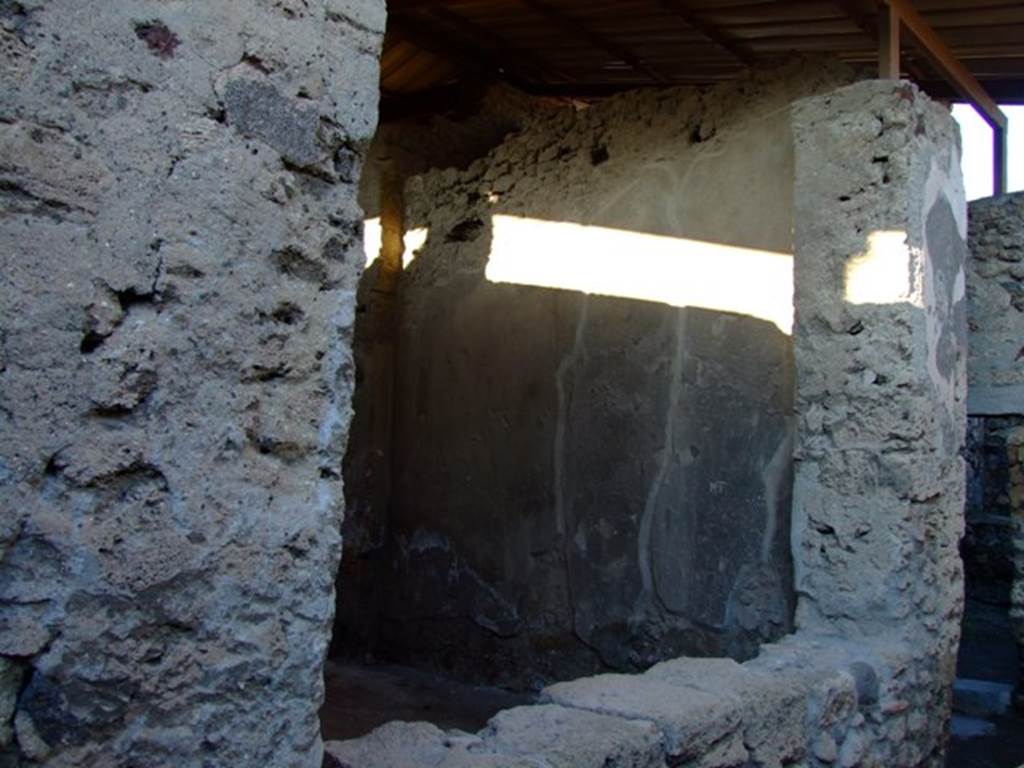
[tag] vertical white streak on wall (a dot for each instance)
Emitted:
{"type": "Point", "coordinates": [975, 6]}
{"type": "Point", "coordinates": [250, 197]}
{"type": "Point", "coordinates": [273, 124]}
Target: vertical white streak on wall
{"type": "Point", "coordinates": [773, 476]}
{"type": "Point", "coordinates": [570, 360]}
{"type": "Point", "coordinates": [665, 459]}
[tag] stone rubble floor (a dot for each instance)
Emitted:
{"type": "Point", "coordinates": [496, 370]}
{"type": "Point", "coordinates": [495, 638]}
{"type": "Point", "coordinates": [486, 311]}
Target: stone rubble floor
{"type": "Point", "coordinates": [1002, 747]}
{"type": "Point", "coordinates": [360, 697]}
{"type": "Point", "coordinates": [987, 653]}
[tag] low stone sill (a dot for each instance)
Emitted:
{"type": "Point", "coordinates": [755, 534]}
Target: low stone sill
{"type": "Point", "coordinates": [807, 700]}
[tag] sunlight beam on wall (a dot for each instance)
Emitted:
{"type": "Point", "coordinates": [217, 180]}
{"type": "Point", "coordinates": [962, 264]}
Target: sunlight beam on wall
{"type": "Point", "coordinates": [373, 235]}
{"type": "Point", "coordinates": [636, 265]}
{"type": "Point", "coordinates": [413, 240]}
{"type": "Point", "coordinates": [372, 238]}
{"type": "Point", "coordinates": [882, 273]}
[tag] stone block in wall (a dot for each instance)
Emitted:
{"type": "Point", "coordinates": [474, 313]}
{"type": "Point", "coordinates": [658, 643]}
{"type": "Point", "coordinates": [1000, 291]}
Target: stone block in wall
{"type": "Point", "coordinates": [392, 745]}
{"type": "Point", "coordinates": [545, 736]}
{"type": "Point", "coordinates": [773, 704]}
{"type": "Point", "coordinates": [695, 723]}
{"type": "Point", "coordinates": [565, 737]}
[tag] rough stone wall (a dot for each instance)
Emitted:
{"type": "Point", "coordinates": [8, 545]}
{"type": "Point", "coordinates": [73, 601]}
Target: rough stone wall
{"type": "Point", "coordinates": [986, 548]}
{"type": "Point", "coordinates": [880, 348]}
{"type": "Point", "coordinates": [583, 482]}
{"type": "Point", "coordinates": [465, 131]}
{"type": "Point", "coordinates": [866, 679]}
{"type": "Point", "coordinates": [1015, 459]}
{"type": "Point", "coordinates": [995, 308]}
{"type": "Point", "coordinates": [180, 245]}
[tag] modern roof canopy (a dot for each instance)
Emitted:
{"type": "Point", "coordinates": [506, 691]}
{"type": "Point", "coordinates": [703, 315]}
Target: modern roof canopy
{"type": "Point", "coordinates": [964, 49]}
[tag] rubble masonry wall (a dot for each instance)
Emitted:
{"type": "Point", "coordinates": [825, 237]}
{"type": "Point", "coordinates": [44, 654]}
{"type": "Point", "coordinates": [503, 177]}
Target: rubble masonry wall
{"type": "Point", "coordinates": [995, 290]}
{"type": "Point", "coordinates": [180, 246]}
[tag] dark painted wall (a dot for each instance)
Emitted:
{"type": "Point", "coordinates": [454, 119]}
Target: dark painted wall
{"type": "Point", "coordinates": [582, 482]}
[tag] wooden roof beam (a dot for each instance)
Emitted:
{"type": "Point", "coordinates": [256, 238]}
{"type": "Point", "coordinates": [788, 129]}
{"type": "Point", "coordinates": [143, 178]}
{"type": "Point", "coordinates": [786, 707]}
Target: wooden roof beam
{"type": "Point", "coordinates": [902, 13]}
{"type": "Point", "coordinates": [712, 33]}
{"type": "Point", "coordinates": [576, 28]}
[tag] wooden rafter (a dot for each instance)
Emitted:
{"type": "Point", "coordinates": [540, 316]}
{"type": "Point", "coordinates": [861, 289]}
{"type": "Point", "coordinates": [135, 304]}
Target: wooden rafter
{"type": "Point", "coordinates": [574, 27]}
{"type": "Point", "coordinates": [498, 45]}
{"type": "Point", "coordinates": [855, 12]}
{"type": "Point", "coordinates": [1008, 90]}
{"type": "Point", "coordinates": [428, 37]}
{"type": "Point", "coordinates": [683, 11]}
{"type": "Point", "coordinates": [948, 65]}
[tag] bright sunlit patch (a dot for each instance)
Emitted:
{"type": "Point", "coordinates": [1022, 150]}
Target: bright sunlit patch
{"type": "Point", "coordinates": [413, 240]}
{"type": "Point", "coordinates": [977, 149]}
{"type": "Point", "coordinates": [373, 236]}
{"type": "Point", "coordinates": [880, 275]}
{"type": "Point", "coordinates": [636, 265]}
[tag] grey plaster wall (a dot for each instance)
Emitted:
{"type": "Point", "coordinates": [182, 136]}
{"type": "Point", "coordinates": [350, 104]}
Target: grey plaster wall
{"type": "Point", "coordinates": [585, 482]}
{"type": "Point", "coordinates": [400, 148]}
{"type": "Point", "coordinates": [180, 246]}
{"type": "Point", "coordinates": [995, 290]}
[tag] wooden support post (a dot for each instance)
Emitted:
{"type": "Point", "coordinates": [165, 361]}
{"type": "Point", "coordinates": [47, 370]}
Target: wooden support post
{"type": "Point", "coordinates": [889, 43]}
{"type": "Point", "coordinates": [1000, 164]}
{"type": "Point", "coordinates": [392, 224]}
{"type": "Point", "coordinates": [960, 78]}
{"type": "Point", "coordinates": [946, 62]}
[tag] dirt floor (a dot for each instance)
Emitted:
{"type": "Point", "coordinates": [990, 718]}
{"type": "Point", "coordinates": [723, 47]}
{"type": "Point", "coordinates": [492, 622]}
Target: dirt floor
{"type": "Point", "coordinates": [360, 697]}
